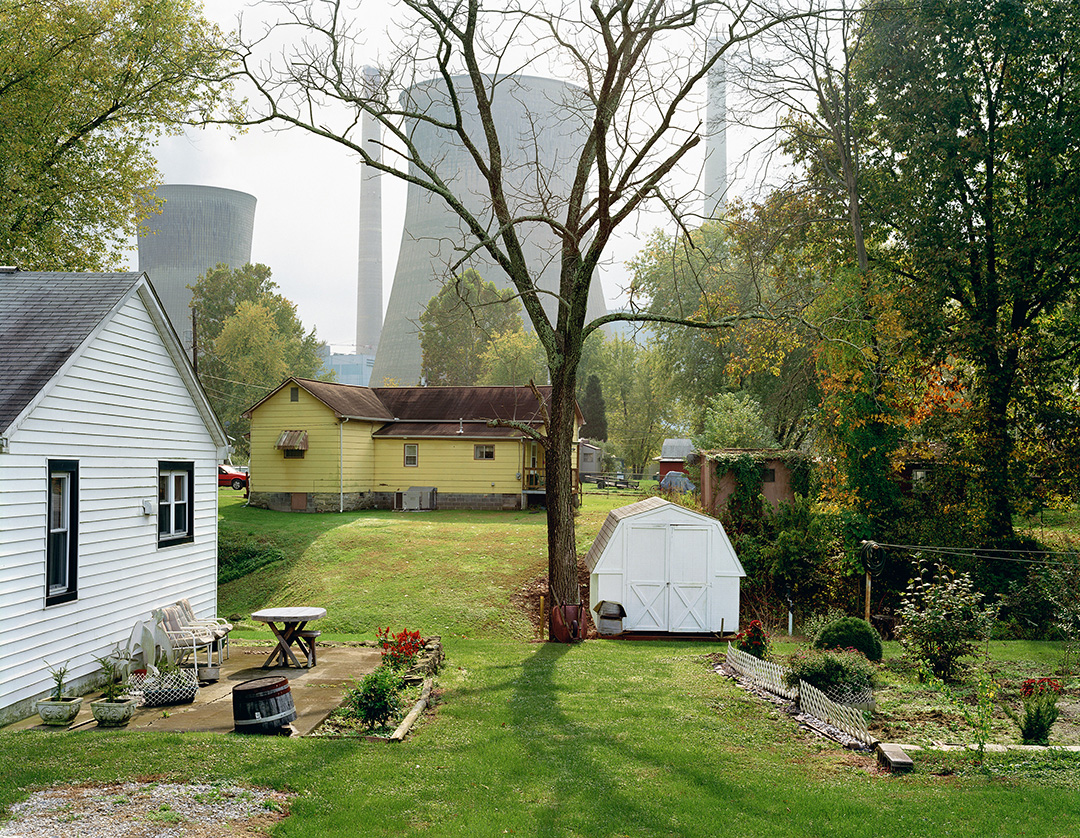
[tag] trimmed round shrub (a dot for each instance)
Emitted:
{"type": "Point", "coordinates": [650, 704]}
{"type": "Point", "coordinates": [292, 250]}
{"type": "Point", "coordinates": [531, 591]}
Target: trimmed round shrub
{"type": "Point", "coordinates": [833, 671]}
{"type": "Point", "coordinates": [850, 633]}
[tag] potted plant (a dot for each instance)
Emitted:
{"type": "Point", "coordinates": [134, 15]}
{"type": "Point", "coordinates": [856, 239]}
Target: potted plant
{"type": "Point", "coordinates": [59, 709]}
{"type": "Point", "coordinates": [115, 707]}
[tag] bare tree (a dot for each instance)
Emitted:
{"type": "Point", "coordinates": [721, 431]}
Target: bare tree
{"type": "Point", "coordinates": [796, 84]}
{"type": "Point", "coordinates": [633, 66]}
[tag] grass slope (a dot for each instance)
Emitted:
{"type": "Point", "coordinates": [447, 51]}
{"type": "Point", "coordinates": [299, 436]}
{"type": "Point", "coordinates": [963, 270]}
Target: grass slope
{"type": "Point", "coordinates": [604, 739]}
{"type": "Point", "coordinates": [449, 573]}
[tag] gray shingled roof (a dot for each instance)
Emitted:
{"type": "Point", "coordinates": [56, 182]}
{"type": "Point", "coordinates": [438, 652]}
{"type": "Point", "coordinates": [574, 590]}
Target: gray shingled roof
{"type": "Point", "coordinates": [612, 521]}
{"type": "Point", "coordinates": [676, 449]}
{"type": "Point", "coordinates": [44, 318]}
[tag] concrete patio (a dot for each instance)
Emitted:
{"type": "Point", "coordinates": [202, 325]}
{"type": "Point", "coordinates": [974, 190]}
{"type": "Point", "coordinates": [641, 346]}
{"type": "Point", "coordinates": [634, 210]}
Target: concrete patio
{"type": "Point", "coordinates": [316, 692]}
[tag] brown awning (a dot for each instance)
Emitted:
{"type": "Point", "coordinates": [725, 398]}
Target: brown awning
{"type": "Point", "coordinates": [294, 440]}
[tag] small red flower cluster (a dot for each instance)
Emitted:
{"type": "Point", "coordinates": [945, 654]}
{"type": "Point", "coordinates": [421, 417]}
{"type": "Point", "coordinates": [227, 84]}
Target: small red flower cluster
{"type": "Point", "coordinates": [1040, 686]}
{"type": "Point", "coordinates": [399, 650]}
{"type": "Point", "coordinates": [753, 640]}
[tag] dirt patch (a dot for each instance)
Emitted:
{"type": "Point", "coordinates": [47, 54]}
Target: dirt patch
{"type": "Point", "coordinates": [147, 810]}
{"type": "Point", "coordinates": [527, 599]}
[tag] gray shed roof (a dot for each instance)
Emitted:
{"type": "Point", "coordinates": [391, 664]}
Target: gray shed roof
{"type": "Point", "coordinates": [44, 318]}
{"type": "Point", "coordinates": [612, 521]}
{"type": "Point", "coordinates": [676, 449]}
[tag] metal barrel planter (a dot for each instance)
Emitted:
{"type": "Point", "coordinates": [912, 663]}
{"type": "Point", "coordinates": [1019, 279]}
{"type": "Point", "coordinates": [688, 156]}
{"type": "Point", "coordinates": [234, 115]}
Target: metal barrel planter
{"type": "Point", "coordinates": [264, 705]}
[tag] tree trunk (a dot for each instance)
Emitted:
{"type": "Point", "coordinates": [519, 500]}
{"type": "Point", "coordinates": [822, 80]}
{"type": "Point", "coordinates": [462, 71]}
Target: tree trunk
{"type": "Point", "coordinates": [558, 463]}
{"type": "Point", "coordinates": [997, 459]}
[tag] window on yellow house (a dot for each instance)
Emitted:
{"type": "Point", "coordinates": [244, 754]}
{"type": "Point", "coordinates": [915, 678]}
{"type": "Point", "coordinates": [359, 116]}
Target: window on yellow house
{"type": "Point", "coordinates": [412, 454]}
{"type": "Point", "coordinates": [483, 452]}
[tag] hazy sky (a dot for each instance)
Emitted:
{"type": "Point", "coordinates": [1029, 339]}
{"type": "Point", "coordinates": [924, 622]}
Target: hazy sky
{"type": "Point", "coordinates": [307, 211]}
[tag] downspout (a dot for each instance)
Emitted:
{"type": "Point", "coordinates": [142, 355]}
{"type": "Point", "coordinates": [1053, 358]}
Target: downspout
{"type": "Point", "coordinates": [341, 464]}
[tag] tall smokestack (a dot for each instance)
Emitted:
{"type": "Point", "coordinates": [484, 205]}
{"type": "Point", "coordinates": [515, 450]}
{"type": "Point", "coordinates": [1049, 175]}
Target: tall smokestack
{"type": "Point", "coordinates": [369, 260]}
{"type": "Point", "coordinates": [716, 137]}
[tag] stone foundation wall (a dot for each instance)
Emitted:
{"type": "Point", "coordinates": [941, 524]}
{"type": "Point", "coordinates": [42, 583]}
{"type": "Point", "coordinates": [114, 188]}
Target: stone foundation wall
{"type": "Point", "coordinates": [492, 502]}
{"type": "Point", "coordinates": [312, 501]}
{"type": "Point", "coordinates": [330, 501]}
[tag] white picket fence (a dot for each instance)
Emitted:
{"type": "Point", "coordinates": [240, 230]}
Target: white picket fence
{"type": "Point", "coordinates": [841, 716]}
{"type": "Point", "coordinates": [770, 676]}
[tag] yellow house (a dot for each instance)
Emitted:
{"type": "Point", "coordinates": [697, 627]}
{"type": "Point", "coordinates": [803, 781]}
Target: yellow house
{"type": "Point", "coordinates": [322, 447]}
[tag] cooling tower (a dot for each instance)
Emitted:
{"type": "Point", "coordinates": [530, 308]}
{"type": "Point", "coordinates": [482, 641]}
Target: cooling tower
{"type": "Point", "coordinates": [369, 260]}
{"type": "Point", "coordinates": [199, 228]}
{"type": "Point", "coordinates": [715, 178]}
{"type": "Point", "coordinates": [542, 132]}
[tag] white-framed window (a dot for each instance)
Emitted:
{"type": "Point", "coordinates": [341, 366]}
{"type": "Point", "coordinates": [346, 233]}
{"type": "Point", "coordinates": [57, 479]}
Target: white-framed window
{"type": "Point", "coordinates": [176, 499]}
{"type": "Point", "coordinates": [412, 454]}
{"type": "Point", "coordinates": [61, 552]}
{"type": "Point", "coordinates": [483, 452]}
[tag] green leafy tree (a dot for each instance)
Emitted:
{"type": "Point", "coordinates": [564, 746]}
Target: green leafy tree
{"type": "Point", "coordinates": [249, 341]}
{"type": "Point", "coordinates": [86, 88]}
{"type": "Point", "coordinates": [734, 420]}
{"type": "Point", "coordinates": [458, 325]}
{"type": "Point", "coordinates": [739, 265]}
{"type": "Point", "coordinates": [594, 410]}
{"type": "Point", "coordinates": [637, 401]}
{"type": "Point", "coordinates": [971, 169]}
{"type": "Point", "coordinates": [513, 357]}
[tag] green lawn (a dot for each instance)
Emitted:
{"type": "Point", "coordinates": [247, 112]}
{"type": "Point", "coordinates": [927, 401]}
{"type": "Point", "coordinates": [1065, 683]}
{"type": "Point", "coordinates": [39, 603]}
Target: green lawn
{"type": "Point", "coordinates": [603, 739]}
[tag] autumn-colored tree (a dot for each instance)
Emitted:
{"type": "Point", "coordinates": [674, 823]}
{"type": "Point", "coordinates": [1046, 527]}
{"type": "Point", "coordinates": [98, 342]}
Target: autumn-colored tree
{"type": "Point", "coordinates": [740, 264]}
{"type": "Point", "coordinates": [85, 90]}
{"type": "Point", "coordinates": [971, 148]}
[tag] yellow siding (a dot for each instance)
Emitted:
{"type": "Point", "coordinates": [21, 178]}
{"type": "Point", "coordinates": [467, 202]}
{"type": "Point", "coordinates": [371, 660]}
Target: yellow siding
{"type": "Point", "coordinates": [449, 466]}
{"type": "Point", "coordinates": [318, 470]}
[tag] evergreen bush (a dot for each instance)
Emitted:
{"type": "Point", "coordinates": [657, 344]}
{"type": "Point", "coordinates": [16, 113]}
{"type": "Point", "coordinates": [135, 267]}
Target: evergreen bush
{"type": "Point", "coordinates": [376, 698]}
{"type": "Point", "coordinates": [850, 633]}
{"type": "Point", "coordinates": [836, 672]}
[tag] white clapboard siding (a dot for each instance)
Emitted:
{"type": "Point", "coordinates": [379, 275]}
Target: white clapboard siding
{"type": "Point", "coordinates": [118, 409]}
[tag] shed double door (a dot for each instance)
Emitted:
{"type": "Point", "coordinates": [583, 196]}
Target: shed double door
{"type": "Point", "coordinates": [667, 578]}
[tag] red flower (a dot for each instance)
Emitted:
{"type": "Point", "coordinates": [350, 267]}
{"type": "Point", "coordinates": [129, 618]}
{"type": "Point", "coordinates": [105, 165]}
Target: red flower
{"type": "Point", "coordinates": [1040, 686]}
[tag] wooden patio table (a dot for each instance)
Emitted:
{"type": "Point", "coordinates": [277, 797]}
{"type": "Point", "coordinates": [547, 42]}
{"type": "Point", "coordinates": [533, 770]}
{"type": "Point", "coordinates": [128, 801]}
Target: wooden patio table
{"type": "Point", "coordinates": [293, 620]}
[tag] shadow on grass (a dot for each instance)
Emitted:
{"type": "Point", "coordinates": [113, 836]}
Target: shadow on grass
{"type": "Point", "coordinates": [614, 774]}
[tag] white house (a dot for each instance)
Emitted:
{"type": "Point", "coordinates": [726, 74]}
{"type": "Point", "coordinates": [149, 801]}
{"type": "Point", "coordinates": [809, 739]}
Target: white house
{"type": "Point", "coordinates": [671, 569]}
{"type": "Point", "coordinates": [108, 463]}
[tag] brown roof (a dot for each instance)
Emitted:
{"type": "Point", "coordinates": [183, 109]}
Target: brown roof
{"type": "Point", "coordinates": [428, 411]}
{"type": "Point", "coordinates": [293, 440]}
{"type": "Point", "coordinates": [468, 430]}
{"type": "Point", "coordinates": [346, 400]}
{"type": "Point", "coordinates": [439, 404]}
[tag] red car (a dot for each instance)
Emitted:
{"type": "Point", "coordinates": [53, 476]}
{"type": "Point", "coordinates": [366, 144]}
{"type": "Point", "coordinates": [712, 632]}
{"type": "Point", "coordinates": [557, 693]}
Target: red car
{"type": "Point", "coordinates": [230, 476]}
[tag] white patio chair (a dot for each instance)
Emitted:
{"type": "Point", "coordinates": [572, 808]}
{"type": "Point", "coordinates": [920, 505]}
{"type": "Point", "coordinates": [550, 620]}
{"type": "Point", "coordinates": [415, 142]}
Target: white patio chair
{"type": "Point", "coordinates": [185, 640]}
{"type": "Point", "coordinates": [217, 626]}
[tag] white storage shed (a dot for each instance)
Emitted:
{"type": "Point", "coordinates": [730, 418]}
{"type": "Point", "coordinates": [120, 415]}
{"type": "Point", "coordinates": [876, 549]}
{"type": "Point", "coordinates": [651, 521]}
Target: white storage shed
{"type": "Point", "coordinates": [672, 569]}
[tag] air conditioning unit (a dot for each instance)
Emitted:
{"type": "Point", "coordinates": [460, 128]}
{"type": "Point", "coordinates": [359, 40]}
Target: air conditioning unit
{"type": "Point", "coordinates": [420, 497]}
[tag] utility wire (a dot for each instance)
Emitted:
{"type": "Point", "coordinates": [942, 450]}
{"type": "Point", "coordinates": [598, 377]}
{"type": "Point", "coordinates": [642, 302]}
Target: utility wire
{"type": "Point", "coordinates": [985, 554]}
